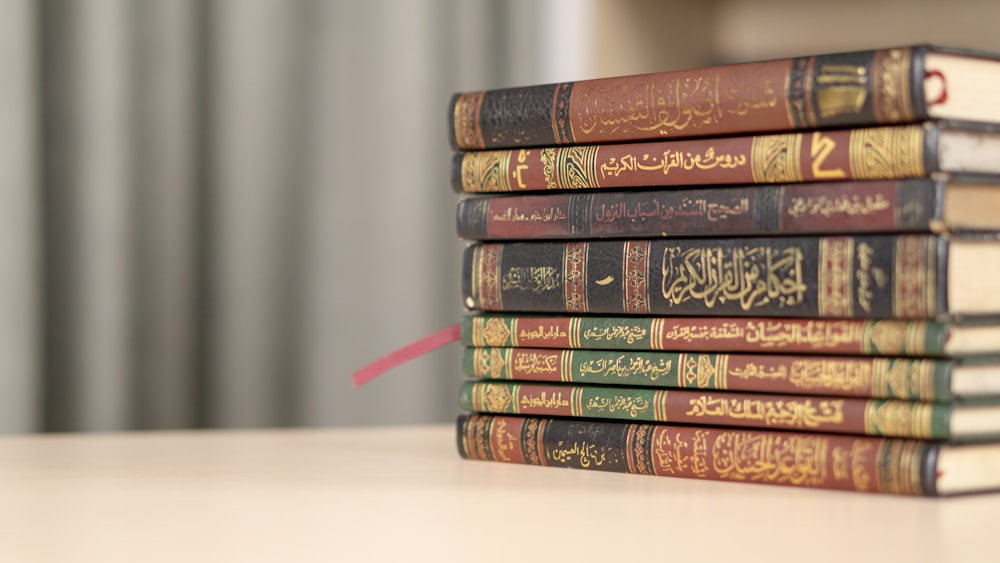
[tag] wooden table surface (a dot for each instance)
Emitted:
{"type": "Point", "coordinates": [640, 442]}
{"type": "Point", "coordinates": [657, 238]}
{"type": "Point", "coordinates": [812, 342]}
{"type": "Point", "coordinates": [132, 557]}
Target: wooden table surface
{"type": "Point", "coordinates": [403, 494]}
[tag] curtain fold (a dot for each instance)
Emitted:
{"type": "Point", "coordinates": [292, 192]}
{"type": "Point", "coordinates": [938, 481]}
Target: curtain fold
{"type": "Point", "coordinates": [214, 211]}
{"type": "Point", "coordinates": [20, 384]}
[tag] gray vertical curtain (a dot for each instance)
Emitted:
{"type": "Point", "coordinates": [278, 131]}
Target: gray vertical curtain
{"type": "Point", "coordinates": [212, 212]}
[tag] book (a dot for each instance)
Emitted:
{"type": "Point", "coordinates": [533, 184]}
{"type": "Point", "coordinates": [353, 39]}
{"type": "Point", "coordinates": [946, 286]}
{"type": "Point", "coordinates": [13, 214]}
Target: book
{"type": "Point", "coordinates": [916, 205]}
{"type": "Point", "coordinates": [873, 153]}
{"type": "Point", "coordinates": [915, 379]}
{"type": "Point", "coordinates": [955, 421]}
{"type": "Point", "coordinates": [887, 337]}
{"type": "Point", "coordinates": [877, 276]}
{"type": "Point", "coordinates": [904, 84]}
{"type": "Point", "coordinates": [798, 459]}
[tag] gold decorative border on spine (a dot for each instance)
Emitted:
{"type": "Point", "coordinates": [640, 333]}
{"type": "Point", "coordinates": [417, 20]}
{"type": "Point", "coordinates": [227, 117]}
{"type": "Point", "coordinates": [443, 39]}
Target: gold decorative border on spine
{"type": "Point", "coordinates": [914, 270]}
{"type": "Point", "coordinates": [575, 277]}
{"type": "Point", "coordinates": [636, 276]}
{"type": "Point", "coordinates": [486, 171]}
{"type": "Point", "coordinates": [533, 436]}
{"type": "Point", "coordinates": [487, 266]}
{"type": "Point", "coordinates": [576, 401]}
{"type": "Point", "coordinates": [637, 449]}
{"type": "Point", "coordinates": [566, 366]}
{"type": "Point", "coordinates": [835, 277]}
{"type": "Point", "coordinates": [891, 92]}
{"type": "Point", "coordinates": [660, 410]}
{"type": "Point", "coordinates": [574, 333]}
{"type": "Point", "coordinates": [480, 362]}
{"type": "Point", "coordinates": [886, 153]}
{"type": "Point", "coordinates": [547, 157]}
{"type": "Point", "coordinates": [776, 159]}
{"type": "Point", "coordinates": [468, 108]}
{"type": "Point", "coordinates": [657, 328]}
{"type": "Point", "coordinates": [916, 338]}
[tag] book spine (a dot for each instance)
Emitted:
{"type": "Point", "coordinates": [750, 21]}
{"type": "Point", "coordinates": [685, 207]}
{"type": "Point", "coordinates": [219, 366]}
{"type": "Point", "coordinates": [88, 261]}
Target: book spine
{"type": "Point", "coordinates": [847, 89]}
{"type": "Point", "coordinates": [890, 337]}
{"type": "Point", "coordinates": [815, 208]}
{"type": "Point", "coordinates": [883, 377]}
{"type": "Point", "coordinates": [851, 276]}
{"type": "Point", "coordinates": [873, 417]}
{"type": "Point", "coordinates": [798, 459]}
{"type": "Point", "coordinates": [876, 153]}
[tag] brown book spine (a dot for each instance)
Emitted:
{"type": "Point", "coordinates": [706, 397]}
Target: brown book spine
{"type": "Point", "coordinates": [811, 460]}
{"type": "Point", "coordinates": [815, 208]}
{"type": "Point", "coordinates": [861, 276]}
{"type": "Point", "coordinates": [844, 89]}
{"type": "Point", "coordinates": [815, 413]}
{"type": "Point", "coordinates": [889, 337]}
{"type": "Point", "coordinates": [876, 153]}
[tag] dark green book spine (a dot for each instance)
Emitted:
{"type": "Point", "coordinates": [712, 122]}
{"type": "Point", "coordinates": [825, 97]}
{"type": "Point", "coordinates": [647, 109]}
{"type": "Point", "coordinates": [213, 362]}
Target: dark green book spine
{"type": "Point", "coordinates": [848, 376]}
{"type": "Point", "coordinates": [796, 459]}
{"type": "Point", "coordinates": [850, 276]}
{"type": "Point", "coordinates": [874, 417]}
{"type": "Point", "coordinates": [889, 337]}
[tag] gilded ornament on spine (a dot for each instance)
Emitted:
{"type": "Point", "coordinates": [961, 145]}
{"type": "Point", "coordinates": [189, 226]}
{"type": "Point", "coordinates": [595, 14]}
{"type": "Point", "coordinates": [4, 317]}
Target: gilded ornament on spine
{"type": "Point", "coordinates": [914, 293]}
{"type": "Point", "coordinates": [486, 263]}
{"type": "Point", "coordinates": [467, 112]}
{"type": "Point", "coordinates": [836, 275]}
{"type": "Point", "coordinates": [637, 449]}
{"type": "Point", "coordinates": [575, 167]}
{"type": "Point", "coordinates": [887, 152]}
{"type": "Point", "coordinates": [898, 469]}
{"type": "Point", "coordinates": [898, 418]}
{"type": "Point", "coordinates": [486, 171]}
{"type": "Point", "coordinates": [776, 159]}
{"type": "Point", "coordinates": [575, 277]}
{"type": "Point", "coordinates": [892, 93]}
{"type": "Point", "coordinates": [636, 276]}
{"type": "Point", "coordinates": [532, 436]}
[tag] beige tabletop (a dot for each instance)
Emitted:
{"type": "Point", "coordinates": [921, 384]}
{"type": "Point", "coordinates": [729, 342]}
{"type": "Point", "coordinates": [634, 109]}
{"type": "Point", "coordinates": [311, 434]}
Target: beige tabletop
{"type": "Point", "coordinates": [403, 494]}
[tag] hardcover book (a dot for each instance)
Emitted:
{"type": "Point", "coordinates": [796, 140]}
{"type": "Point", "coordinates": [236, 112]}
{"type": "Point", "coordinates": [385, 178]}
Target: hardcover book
{"type": "Point", "coordinates": [888, 337]}
{"type": "Point", "coordinates": [916, 379]}
{"type": "Point", "coordinates": [798, 459]}
{"type": "Point", "coordinates": [918, 205]}
{"type": "Point", "coordinates": [874, 153]}
{"type": "Point", "coordinates": [953, 421]}
{"type": "Point", "coordinates": [904, 276]}
{"type": "Point", "coordinates": [905, 84]}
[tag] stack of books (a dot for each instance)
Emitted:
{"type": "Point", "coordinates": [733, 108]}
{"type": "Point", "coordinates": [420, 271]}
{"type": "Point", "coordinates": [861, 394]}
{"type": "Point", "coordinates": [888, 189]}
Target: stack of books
{"type": "Point", "coordinates": [782, 272]}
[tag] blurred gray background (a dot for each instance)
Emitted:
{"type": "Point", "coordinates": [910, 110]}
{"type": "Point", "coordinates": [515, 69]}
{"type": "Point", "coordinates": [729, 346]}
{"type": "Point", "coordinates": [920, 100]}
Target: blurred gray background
{"type": "Point", "coordinates": [213, 212]}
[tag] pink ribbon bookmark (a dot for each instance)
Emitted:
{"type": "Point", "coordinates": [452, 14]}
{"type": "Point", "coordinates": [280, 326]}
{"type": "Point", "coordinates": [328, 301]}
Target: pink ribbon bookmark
{"type": "Point", "coordinates": [407, 353]}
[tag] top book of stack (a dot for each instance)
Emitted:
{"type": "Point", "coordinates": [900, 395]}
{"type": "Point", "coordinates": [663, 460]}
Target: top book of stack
{"type": "Point", "coordinates": [856, 89]}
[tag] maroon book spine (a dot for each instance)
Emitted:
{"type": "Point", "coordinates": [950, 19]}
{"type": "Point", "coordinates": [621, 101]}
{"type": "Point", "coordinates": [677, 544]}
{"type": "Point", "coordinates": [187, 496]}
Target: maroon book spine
{"type": "Point", "coordinates": [813, 208]}
{"type": "Point", "coordinates": [874, 153]}
{"type": "Point", "coordinates": [830, 90]}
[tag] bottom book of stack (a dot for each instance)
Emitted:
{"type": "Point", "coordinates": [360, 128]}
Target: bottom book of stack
{"type": "Point", "coordinates": [816, 460]}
